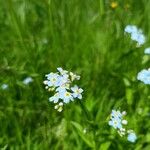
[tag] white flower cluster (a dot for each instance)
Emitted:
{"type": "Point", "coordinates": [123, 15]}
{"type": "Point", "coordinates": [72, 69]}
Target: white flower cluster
{"type": "Point", "coordinates": [136, 34]}
{"type": "Point", "coordinates": [61, 84]}
{"type": "Point", "coordinates": [117, 121]}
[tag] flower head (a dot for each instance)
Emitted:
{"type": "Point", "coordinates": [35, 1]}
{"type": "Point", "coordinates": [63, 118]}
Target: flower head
{"type": "Point", "coordinates": [117, 121]}
{"type": "Point", "coordinates": [132, 137]}
{"type": "Point", "coordinates": [136, 34]}
{"type": "Point", "coordinates": [131, 29]}
{"type": "Point", "coordinates": [144, 76]}
{"type": "Point", "coordinates": [147, 50]}
{"type": "Point", "coordinates": [61, 84]}
{"type": "Point", "coordinates": [4, 86]}
{"type": "Point", "coordinates": [27, 80]}
{"type": "Point", "coordinates": [66, 96]}
{"type": "Point", "coordinates": [77, 92]}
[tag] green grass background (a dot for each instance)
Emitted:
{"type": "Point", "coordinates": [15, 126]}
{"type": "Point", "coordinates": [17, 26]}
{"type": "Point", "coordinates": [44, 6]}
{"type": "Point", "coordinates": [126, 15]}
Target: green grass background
{"type": "Point", "coordinates": [83, 36]}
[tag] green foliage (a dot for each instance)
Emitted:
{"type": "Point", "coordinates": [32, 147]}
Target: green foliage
{"type": "Point", "coordinates": [83, 36]}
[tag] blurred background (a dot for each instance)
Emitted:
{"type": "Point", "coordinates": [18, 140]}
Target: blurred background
{"type": "Point", "coordinates": [83, 36]}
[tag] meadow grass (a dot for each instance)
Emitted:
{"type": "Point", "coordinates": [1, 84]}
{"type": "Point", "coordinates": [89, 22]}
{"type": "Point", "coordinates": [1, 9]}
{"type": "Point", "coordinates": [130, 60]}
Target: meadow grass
{"type": "Point", "coordinates": [83, 36]}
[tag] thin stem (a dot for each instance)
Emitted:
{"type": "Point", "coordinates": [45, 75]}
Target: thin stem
{"type": "Point", "coordinates": [85, 110]}
{"type": "Point", "coordinates": [91, 121]}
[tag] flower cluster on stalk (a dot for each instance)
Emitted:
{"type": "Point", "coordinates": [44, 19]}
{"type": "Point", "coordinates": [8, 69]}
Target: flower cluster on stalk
{"type": "Point", "coordinates": [136, 34]}
{"type": "Point", "coordinates": [118, 122]}
{"type": "Point", "coordinates": [61, 84]}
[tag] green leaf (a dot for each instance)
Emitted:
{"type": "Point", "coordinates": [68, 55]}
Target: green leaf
{"type": "Point", "coordinates": [105, 146]}
{"type": "Point", "coordinates": [129, 96]}
{"type": "Point", "coordinates": [4, 148]}
{"type": "Point", "coordinates": [87, 139]}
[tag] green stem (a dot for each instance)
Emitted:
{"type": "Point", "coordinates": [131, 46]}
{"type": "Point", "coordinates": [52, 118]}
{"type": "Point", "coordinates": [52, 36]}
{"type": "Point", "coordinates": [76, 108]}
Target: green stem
{"type": "Point", "coordinates": [101, 7]}
{"type": "Point", "coordinates": [90, 120]}
{"type": "Point", "coordinates": [86, 112]}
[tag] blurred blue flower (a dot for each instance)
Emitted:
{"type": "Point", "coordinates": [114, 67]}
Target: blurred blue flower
{"type": "Point", "coordinates": [136, 34]}
{"type": "Point", "coordinates": [27, 80]}
{"type": "Point", "coordinates": [147, 50]}
{"type": "Point", "coordinates": [131, 29]}
{"type": "Point", "coordinates": [4, 86]}
{"type": "Point", "coordinates": [132, 137]}
{"type": "Point", "coordinates": [144, 76]}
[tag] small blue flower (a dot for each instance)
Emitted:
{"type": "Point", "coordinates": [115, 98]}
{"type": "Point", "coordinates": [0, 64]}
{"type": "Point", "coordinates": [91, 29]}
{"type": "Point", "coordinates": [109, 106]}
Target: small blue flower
{"type": "Point", "coordinates": [52, 79]}
{"type": "Point", "coordinates": [61, 89]}
{"type": "Point", "coordinates": [147, 50]}
{"type": "Point", "coordinates": [63, 80]}
{"type": "Point", "coordinates": [116, 114]}
{"type": "Point", "coordinates": [66, 97]}
{"type": "Point", "coordinates": [132, 137]}
{"type": "Point", "coordinates": [136, 34]}
{"type": "Point", "coordinates": [77, 92]}
{"type": "Point", "coordinates": [144, 76]}
{"type": "Point", "coordinates": [131, 29]}
{"type": "Point", "coordinates": [115, 123]}
{"type": "Point", "coordinates": [27, 80]}
{"type": "Point", "coordinates": [141, 39]}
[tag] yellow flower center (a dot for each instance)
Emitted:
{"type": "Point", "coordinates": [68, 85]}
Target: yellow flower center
{"type": "Point", "coordinates": [67, 94]}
